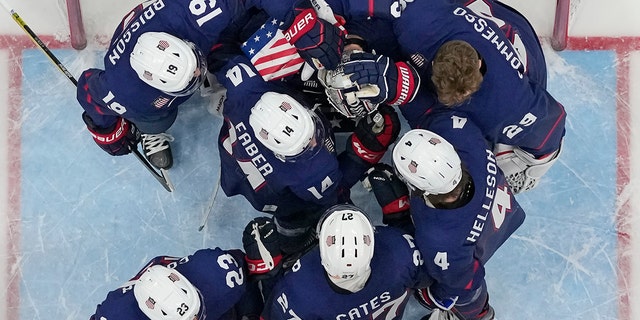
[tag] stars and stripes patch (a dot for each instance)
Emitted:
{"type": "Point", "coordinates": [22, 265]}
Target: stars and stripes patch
{"type": "Point", "coordinates": [160, 102]}
{"type": "Point", "coordinates": [264, 134]}
{"type": "Point", "coordinates": [271, 54]}
{"type": "Point", "coordinates": [413, 167]}
{"type": "Point", "coordinates": [150, 303]}
{"type": "Point", "coordinates": [285, 106]}
{"type": "Point", "coordinates": [174, 277]}
{"type": "Point", "coordinates": [163, 45]}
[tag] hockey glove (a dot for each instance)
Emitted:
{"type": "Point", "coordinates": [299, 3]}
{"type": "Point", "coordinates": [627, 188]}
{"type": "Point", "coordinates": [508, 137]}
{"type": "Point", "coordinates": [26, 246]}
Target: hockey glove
{"type": "Point", "coordinates": [372, 135]}
{"type": "Point", "coordinates": [344, 94]}
{"type": "Point", "coordinates": [119, 139]}
{"type": "Point", "coordinates": [318, 41]}
{"type": "Point", "coordinates": [397, 82]}
{"type": "Point", "coordinates": [391, 193]}
{"type": "Point", "coordinates": [427, 300]}
{"type": "Point", "coordinates": [261, 244]}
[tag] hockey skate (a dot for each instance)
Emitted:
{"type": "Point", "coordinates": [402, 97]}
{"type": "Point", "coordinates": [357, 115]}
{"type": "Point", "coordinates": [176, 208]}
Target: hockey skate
{"type": "Point", "coordinates": [157, 149]}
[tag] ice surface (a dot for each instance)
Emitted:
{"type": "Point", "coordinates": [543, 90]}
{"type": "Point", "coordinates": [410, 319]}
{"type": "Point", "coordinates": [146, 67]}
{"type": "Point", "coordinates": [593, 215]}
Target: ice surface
{"type": "Point", "coordinates": [87, 222]}
{"type": "Point", "coordinates": [90, 221]}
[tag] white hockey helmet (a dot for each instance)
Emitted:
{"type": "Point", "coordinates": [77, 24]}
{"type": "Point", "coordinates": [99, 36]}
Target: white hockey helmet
{"type": "Point", "coordinates": [346, 241]}
{"type": "Point", "coordinates": [286, 127]}
{"type": "Point", "coordinates": [165, 294]}
{"type": "Point", "coordinates": [168, 63]}
{"type": "Point", "coordinates": [427, 162]}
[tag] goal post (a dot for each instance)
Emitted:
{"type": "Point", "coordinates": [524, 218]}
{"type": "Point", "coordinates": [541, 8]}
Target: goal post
{"type": "Point", "coordinates": [560, 25]}
{"type": "Point", "coordinates": [76, 26]}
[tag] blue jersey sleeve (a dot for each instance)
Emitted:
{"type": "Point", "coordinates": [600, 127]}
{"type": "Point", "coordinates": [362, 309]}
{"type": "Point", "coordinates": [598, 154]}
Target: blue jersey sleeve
{"type": "Point", "coordinates": [117, 90]}
{"type": "Point", "coordinates": [384, 295]}
{"type": "Point", "coordinates": [253, 170]}
{"type": "Point", "coordinates": [88, 87]}
{"type": "Point", "coordinates": [514, 83]}
{"type": "Point", "coordinates": [218, 274]}
{"type": "Point", "coordinates": [457, 243]}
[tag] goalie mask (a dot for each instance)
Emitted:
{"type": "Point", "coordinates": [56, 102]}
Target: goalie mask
{"type": "Point", "coordinates": [168, 63]}
{"type": "Point", "coordinates": [427, 162]}
{"type": "Point", "coordinates": [346, 240]}
{"type": "Point", "coordinates": [345, 95]}
{"type": "Point", "coordinates": [286, 127]}
{"type": "Point", "coordinates": [165, 294]}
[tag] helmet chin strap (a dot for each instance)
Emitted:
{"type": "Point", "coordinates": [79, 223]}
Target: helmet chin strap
{"type": "Point", "coordinates": [353, 283]}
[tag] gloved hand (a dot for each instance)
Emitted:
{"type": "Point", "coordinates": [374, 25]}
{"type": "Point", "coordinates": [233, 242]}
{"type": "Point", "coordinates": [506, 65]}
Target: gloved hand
{"type": "Point", "coordinates": [372, 135]}
{"type": "Point", "coordinates": [429, 301]}
{"type": "Point", "coordinates": [344, 94]}
{"type": "Point", "coordinates": [260, 241]}
{"type": "Point", "coordinates": [391, 193]}
{"type": "Point", "coordinates": [318, 41]}
{"type": "Point", "coordinates": [117, 140]}
{"type": "Point", "coordinates": [397, 82]}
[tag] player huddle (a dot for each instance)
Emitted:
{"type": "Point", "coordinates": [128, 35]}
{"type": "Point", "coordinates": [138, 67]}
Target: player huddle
{"type": "Point", "coordinates": [478, 134]}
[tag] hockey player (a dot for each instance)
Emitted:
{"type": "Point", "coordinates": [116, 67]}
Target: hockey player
{"type": "Point", "coordinates": [483, 58]}
{"type": "Point", "coordinates": [281, 156]}
{"type": "Point", "coordinates": [356, 272]}
{"type": "Point", "coordinates": [462, 209]}
{"type": "Point", "coordinates": [154, 63]}
{"type": "Point", "coordinates": [210, 283]}
{"type": "Point", "coordinates": [156, 60]}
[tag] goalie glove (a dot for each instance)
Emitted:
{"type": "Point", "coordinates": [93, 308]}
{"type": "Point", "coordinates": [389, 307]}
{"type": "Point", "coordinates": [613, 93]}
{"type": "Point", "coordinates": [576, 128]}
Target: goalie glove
{"type": "Point", "coordinates": [117, 140]}
{"type": "Point", "coordinates": [391, 193]}
{"type": "Point", "coordinates": [521, 169]}
{"type": "Point", "coordinates": [374, 134]}
{"type": "Point", "coordinates": [260, 241]}
{"type": "Point", "coordinates": [395, 83]}
{"type": "Point", "coordinates": [319, 41]}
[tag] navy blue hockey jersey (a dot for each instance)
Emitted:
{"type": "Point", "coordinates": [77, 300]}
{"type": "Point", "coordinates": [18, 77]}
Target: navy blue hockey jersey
{"type": "Point", "coordinates": [117, 90]}
{"type": "Point", "coordinates": [218, 274]}
{"type": "Point", "coordinates": [252, 170]}
{"type": "Point", "coordinates": [304, 292]}
{"type": "Point", "coordinates": [456, 243]}
{"type": "Point", "coordinates": [512, 105]}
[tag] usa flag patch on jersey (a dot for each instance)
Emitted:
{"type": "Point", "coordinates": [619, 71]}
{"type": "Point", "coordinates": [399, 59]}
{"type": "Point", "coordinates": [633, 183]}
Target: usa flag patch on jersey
{"type": "Point", "coordinates": [160, 102]}
{"type": "Point", "coordinates": [272, 55]}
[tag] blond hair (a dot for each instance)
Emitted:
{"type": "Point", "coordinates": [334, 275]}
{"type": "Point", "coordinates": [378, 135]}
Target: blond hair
{"type": "Point", "coordinates": [456, 72]}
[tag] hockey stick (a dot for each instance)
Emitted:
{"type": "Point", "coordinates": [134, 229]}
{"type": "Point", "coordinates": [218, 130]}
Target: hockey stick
{"type": "Point", "coordinates": [37, 41]}
{"type": "Point", "coordinates": [212, 201]}
{"type": "Point", "coordinates": [166, 183]}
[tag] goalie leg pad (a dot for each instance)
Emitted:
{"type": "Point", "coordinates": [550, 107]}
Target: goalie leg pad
{"type": "Point", "coordinates": [521, 169]}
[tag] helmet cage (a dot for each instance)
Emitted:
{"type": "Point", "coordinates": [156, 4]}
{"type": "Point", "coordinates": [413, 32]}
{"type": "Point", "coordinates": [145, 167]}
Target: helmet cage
{"type": "Point", "coordinates": [343, 94]}
{"type": "Point", "coordinates": [346, 95]}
